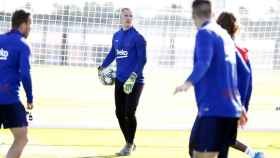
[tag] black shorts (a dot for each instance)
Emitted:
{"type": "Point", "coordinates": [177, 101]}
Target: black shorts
{"type": "Point", "coordinates": [213, 134]}
{"type": "Point", "coordinates": [126, 104]}
{"type": "Point", "coordinates": [13, 115]}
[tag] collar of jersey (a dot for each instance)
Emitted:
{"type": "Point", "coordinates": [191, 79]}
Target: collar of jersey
{"type": "Point", "coordinates": [205, 23]}
{"type": "Point", "coordinates": [127, 29]}
{"type": "Point", "coordinates": [15, 31]}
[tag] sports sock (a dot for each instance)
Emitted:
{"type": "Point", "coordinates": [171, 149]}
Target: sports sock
{"type": "Point", "coordinates": [249, 151]}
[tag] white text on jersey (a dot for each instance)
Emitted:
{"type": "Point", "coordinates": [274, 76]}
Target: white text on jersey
{"type": "Point", "coordinates": [3, 54]}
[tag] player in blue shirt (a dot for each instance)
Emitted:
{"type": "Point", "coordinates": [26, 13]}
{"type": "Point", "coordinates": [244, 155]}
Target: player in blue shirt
{"type": "Point", "coordinates": [214, 78]}
{"type": "Point", "coordinates": [129, 51]}
{"type": "Point", "coordinates": [15, 68]}
{"type": "Point", "coordinates": [228, 22]}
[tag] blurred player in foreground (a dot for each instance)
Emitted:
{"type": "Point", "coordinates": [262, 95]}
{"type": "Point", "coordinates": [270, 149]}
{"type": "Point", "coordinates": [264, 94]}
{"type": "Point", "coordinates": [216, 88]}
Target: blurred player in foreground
{"type": "Point", "coordinates": [214, 77]}
{"type": "Point", "coordinates": [15, 68]}
{"type": "Point", "coordinates": [228, 22]}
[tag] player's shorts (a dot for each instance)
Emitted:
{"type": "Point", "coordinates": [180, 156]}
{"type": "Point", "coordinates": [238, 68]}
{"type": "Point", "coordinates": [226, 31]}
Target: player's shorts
{"type": "Point", "coordinates": [126, 105]}
{"type": "Point", "coordinates": [213, 134]}
{"type": "Point", "coordinates": [13, 115]}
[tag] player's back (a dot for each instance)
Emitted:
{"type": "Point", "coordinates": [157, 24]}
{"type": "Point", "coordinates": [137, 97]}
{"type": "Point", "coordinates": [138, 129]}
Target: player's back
{"type": "Point", "coordinates": [11, 44]}
{"type": "Point", "coordinates": [217, 92]}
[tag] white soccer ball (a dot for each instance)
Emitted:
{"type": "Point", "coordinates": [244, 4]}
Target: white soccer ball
{"type": "Point", "coordinates": [109, 76]}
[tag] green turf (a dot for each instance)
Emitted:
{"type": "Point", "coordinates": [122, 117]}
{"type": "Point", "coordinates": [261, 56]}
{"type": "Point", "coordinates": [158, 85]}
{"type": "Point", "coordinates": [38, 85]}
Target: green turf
{"type": "Point", "coordinates": [54, 89]}
{"type": "Point", "coordinates": [72, 86]}
{"type": "Point", "coordinates": [86, 143]}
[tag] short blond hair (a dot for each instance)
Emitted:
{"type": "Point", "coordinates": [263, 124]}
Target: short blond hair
{"type": "Point", "coordinates": [125, 9]}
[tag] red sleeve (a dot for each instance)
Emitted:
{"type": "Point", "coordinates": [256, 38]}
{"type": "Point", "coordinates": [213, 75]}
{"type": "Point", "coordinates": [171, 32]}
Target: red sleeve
{"type": "Point", "coordinates": [243, 52]}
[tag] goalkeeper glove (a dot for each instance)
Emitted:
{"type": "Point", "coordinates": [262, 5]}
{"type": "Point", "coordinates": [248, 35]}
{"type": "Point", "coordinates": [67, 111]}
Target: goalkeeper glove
{"type": "Point", "coordinates": [129, 83]}
{"type": "Point", "coordinates": [100, 74]}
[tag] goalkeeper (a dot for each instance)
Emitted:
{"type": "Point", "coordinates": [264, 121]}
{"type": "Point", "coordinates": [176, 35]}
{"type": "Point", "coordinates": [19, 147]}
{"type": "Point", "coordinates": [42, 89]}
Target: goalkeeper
{"type": "Point", "coordinates": [129, 50]}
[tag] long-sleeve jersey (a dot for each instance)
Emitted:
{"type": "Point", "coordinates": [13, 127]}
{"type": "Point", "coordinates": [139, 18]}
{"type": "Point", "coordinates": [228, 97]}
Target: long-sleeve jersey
{"type": "Point", "coordinates": [129, 50]}
{"type": "Point", "coordinates": [14, 67]}
{"type": "Point", "coordinates": [214, 74]}
{"type": "Point", "coordinates": [244, 73]}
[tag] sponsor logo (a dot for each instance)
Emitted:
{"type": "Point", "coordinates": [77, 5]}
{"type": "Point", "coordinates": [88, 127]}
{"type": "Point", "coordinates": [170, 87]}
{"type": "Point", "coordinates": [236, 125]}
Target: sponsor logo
{"type": "Point", "coordinates": [3, 54]}
{"type": "Point", "coordinates": [122, 54]}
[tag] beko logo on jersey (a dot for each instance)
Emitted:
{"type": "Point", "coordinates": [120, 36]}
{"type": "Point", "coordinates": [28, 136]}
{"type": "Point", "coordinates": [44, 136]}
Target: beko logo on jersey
{"type": "Point", "coordinates": [3, 54]}
{"type": "Point", "coordinates": [122, 54]}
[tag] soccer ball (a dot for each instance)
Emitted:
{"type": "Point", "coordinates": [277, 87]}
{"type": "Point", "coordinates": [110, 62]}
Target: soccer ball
{"type": "Point", "coordinates": [109, 76]}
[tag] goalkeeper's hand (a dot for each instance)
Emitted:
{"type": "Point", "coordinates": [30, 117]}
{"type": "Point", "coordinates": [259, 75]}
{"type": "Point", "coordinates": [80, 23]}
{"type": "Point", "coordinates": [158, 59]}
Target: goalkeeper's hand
{"type": "Point", "coordinates": [100, 74]}
{"type": "Point", "coordinates": [129, 83]}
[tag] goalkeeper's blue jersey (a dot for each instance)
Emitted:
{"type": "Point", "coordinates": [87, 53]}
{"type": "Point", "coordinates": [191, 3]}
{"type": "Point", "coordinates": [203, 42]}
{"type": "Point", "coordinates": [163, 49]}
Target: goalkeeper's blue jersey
{"type": "Point", "coordinates": [129, 50]}
{"type": "Point", "coordinates": [214, 73]}
{"type": "Point", "coordinates": [14, 67]}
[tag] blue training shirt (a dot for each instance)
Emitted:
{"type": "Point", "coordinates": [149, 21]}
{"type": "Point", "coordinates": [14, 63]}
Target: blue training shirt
{"type": "Point", "coordinates": [129, 50]}
{"type": "Point", "coordinates": [214, 74]}
{"type": "Point", "coordinates": [244, 72]}
{"type": "Point", "coordinates": [14, 67]}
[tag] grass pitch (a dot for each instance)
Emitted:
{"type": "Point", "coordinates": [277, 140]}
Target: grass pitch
{"type": "Point", "coordinates": [91, 143]}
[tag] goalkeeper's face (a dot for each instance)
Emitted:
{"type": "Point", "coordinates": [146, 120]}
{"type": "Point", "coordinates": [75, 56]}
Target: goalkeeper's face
{"type": "Point", "coordinates": [126, 18]}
